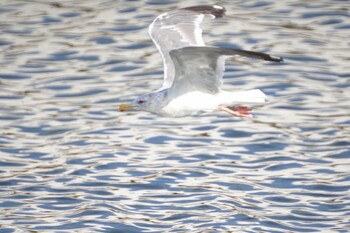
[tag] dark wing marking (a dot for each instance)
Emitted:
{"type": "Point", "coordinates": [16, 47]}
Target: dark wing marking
{"type": "Point", "coordinates": [177, 29]}
{"type": "Point", "coordinates": [201, 68]}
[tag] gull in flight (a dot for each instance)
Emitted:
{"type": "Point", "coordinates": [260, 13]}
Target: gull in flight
{"type": "Point", "coordinates": [193, 72]}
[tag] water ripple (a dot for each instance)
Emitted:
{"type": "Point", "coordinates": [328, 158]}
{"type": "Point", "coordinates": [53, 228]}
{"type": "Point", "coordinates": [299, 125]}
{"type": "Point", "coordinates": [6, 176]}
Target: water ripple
{"type": "Point", "coordinates": [70, 162]}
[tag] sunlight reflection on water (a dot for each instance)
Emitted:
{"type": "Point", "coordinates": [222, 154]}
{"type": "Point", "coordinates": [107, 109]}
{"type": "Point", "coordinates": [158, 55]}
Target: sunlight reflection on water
{"type": "Point", "coordinates": [70, 162]}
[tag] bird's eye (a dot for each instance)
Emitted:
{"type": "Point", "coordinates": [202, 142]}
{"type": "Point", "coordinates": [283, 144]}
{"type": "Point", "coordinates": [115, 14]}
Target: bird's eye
{"type": "Point", "coordinates": [140, 102]}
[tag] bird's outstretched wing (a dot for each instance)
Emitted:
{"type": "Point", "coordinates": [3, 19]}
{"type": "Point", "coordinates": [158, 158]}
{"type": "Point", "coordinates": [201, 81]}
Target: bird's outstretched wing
{"type": "Point", "coordinates": [177, 29]}
{"type": "Point", "coordinates": [201, 68]}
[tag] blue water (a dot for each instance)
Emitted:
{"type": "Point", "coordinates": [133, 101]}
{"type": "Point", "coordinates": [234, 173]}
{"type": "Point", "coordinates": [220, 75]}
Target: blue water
{"type": "Point", "coordinates": [70, 162]}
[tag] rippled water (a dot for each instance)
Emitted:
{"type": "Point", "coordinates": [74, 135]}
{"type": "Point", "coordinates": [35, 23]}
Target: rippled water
{"type": "Point", "coordinates": [70, 162]}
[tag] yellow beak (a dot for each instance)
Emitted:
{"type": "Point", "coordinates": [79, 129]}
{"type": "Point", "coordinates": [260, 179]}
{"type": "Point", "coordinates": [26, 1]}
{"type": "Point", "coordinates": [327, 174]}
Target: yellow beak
{"type": "Point", "coordinates": [125, 107]}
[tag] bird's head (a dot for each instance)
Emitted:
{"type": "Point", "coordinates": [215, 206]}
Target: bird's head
{"type": "Point", "coordinates": [143, 102]}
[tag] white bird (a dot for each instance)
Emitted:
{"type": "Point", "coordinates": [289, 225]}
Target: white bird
{"type": "Point", "coordinates": [192, 71]}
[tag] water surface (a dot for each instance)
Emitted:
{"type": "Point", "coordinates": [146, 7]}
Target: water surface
{"type": "Point", "coordinates": [70, 162]}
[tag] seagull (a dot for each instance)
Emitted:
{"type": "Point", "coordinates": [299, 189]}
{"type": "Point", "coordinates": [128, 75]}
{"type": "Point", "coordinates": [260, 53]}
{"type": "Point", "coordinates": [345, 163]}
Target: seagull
{"type": "Point", "coordinates": [193, 72]}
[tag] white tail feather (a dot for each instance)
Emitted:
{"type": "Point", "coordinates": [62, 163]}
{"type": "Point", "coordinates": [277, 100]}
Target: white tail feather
{"type": "Point", "coordinates": [255, 96]}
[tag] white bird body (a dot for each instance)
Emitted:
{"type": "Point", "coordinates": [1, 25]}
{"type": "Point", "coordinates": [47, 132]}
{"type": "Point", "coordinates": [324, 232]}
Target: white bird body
{"type": "Point", "coordinates": [196, 102]}
{"type": "Point", "coordinates": [193, 72]}
{"type": "Point", "coordinates": [191, 104]}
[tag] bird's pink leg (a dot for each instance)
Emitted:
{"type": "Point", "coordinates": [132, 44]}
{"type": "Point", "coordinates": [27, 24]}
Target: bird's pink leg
{"type": "Point", "coordinates": [240, 111]}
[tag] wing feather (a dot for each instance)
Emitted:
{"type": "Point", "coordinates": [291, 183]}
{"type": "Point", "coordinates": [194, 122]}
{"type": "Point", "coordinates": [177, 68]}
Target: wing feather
{"type": "Point", "coordinates": [201, 68]}
{"type": "Point", "coordinates": [177, 29]}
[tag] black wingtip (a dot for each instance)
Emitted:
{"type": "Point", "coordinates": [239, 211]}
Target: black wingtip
{"type": "Point", "coordinates": [252, 54]}
{"type": "Point", "coordinates": [275, 59]}
{"type": "Point", "coordinates": [214, 10]}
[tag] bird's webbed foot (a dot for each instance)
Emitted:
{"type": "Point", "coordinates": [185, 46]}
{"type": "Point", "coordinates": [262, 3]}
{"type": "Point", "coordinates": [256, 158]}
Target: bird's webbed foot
{"type": "Point", "coordinates": [239, 111]}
